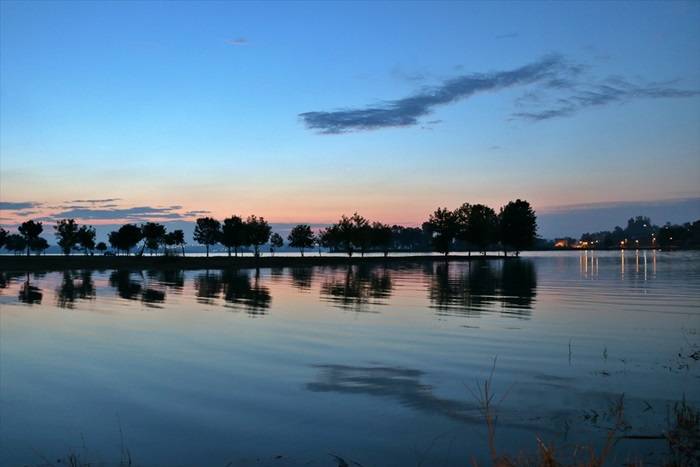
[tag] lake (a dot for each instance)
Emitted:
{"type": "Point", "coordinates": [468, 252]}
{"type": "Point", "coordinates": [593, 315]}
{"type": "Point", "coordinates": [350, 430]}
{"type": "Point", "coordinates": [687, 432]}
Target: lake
{"type": "Point", "coordinates": [374, 364]}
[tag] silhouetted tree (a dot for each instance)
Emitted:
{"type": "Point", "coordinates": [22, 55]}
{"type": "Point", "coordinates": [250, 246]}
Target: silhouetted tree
{"type": "Point", "coordinates": [518, 225]}
{"type": "Point", "coordinates": [30, 230]}
{"type": "Point", "coordinates": [126, 238]}
{"type": "Point", "coordinates": [329, 238]}
{"type": "Point", "coordinates": [258, 232]}
{"type": "Point", "coordinates": [16, 243]}
{"type": "Point", "coordinates": [381, 237]}
{"type": "Point", "coordinates": [276, 241]}
{"type": "Point", "coordinates": [411, 238]}
{"type": "Point", "coordinates": [462, 214]}
{"type": "Point", "coordinates": [101, 247]}
{"type": "Point", "coordinates": [361, 233]}
{"type": "Point", "coordinates": [482, 226]}
{"type": "Point", "coordinates": [443, 226]}
{"type": "Point", "coordinates": [153, 236]}
{"type": "Point", "coordinates": [179, 239]}
{"type": "Point", "coordinates": [66, 234]}
{"type": "Point", "coordinates": [233, 234]}
{"type": "Point", "coordinates": [344, 235]}
{"type": "Point", "coordinates": [3, 237]}
{"type": "Point", "coordinates": [207, 232]}
{"type": "Point", "coordinates": [39, 245]}
{"type": "Point", "coordinates": [301, 237]}
{"type": "Point", "coordinates": [86, 238]}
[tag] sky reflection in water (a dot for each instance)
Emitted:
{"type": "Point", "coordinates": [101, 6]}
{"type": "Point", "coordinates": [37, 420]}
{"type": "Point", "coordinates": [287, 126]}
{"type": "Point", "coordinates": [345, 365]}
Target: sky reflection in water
{"type": "Point", "coordinates": [374, 363]}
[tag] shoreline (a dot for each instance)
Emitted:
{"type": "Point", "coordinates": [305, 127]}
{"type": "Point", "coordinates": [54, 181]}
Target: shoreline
{"type": "Point", "coordinates": [54, 263]}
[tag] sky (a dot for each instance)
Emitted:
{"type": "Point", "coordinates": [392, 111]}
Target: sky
{"type": "Point", "coordinates": [115, 112]}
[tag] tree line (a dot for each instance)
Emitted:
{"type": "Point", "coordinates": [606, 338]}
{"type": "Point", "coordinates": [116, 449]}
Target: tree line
{"type": "Point", "coordinates": [468, 228]}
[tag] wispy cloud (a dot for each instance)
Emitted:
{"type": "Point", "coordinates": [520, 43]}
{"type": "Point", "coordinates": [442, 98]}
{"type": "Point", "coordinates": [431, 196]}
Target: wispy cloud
{"type": "Point", "coordinates": [94, 201]}
{"type": "Point", "coordinates": [407, 111]}
{"type": "Point", "coordinates": [18, 205]}
{"type": "Point", "coordinates": [130, 213]}
{"type": "Point", "coordinates": [581, 96]}
{"type": "Point", "coordinates": [510, 35]}
{"type": "Point", "coordinates": [238, 41]}
{"type": "Point", "coordinates": [558, 88]}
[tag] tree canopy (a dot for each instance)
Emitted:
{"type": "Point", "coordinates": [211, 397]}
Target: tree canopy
{"type": "Point", "coordinates": [301, 237]}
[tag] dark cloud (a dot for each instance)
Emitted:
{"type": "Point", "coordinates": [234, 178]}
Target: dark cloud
{"type": "Point", "coordinates": [196, 213]}
{"type": "Point", "coordinates": [18, 205]}
{"type": "Point", "coordinates": [407, 111]}
{"type": "Point", "coordinates": [613, 90]}
{"type": "Point", "coordinates": [133, 213]}
{"type": "Point", "coordinates": [558, 89]}
{"type": "Point", "coordinates": [94, 201]}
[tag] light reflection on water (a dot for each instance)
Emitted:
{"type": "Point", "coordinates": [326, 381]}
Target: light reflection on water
{"type": "Point", "coordinates": [373, 363]}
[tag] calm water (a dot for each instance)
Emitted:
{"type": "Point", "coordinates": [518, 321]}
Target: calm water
{"type": "Point", "coordinates": [374, 364]}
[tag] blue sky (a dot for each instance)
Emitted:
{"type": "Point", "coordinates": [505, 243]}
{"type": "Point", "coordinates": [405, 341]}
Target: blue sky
{"type": "Point", "coordinates": [206, 106]}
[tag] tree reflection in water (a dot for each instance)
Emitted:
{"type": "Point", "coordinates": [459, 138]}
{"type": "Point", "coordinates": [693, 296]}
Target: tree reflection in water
{"type": "Point", "coordinates": [126, 287]}
{"type": "Point", "coordinates": [465, 288]}
{"type": "Point", "coordinates": [236, 289]}
{"type": "Point", "coordinates": [481, 285]}
{"type": "Point", "coordinates": [30, 294]}
{"type": "Point", "coordinates": [302, 277]}
{"type": "Point", "coordinates": [357, 287]}
{"type": "Point", "coordinates": [75, 286]}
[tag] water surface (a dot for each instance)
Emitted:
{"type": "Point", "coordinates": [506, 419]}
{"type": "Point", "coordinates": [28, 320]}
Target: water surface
{"type": "Point", "coordinates": [376, 364]}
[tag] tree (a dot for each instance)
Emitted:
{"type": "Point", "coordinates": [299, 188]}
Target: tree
{"type": "Point", "coordinates": [443, 227]}
{"type": "Point", "coordinates": [101, 247]}
{"type": "Point", "coordinates": [66, 234]}
{"type": "Point", "coordinates": [16, 243]}
{"type": "Point", "coordinates": [179, 239]}
{"type": "Point", "coordinates": [3, 237]}
{"type": "Point", "coordinates": [233, 234]}
{"type": "Point", "coordinates": [39, 245]}
{"type": "Point", "coordinates": [483, 226]}
{"type": "Point", "coordinates": [343, 235]}
{"type": "Point", "coordinates": [276, 241]}
{"type": "Point", "coordinates": [361, 233]}
{"type": "Point", "coordinates": [257, 232]}
{"type": "Point", "coordinates": [462, 214]}
{"type": "Point", "coordinates": [153, 236]}
{"type": "Point", "coordinates": [86, 238]}
{"type": "Point", "coordinates": [381, 237]}
{"type": "Point", "coordinates": [126, 238]}
{"type": "Point", "coordinates": [30, 231]}
{"type": "Point", "coordinates": [301, 237]}
{"type": "Point", "coordinates": [518, 225]}
{"type": "Point", "coordinates": [207, 232]}
{"type": "Point", "coordinates": [328, 238]}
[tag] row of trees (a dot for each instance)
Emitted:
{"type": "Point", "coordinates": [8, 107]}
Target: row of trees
{"type": "Point", "coordinates": [68, 235]}
{"type": "Point", "coordinates": [478, 227]}
{"type": "Point", "coordinates": [469, 227]}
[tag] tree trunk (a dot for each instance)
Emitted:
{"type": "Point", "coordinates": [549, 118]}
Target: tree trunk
{"type": "Point", "coordinates": [207, 246]}
{"type": "Point", "coordinates": [229, 251]}
{"type": "Point", "coordinates": [302, 252]}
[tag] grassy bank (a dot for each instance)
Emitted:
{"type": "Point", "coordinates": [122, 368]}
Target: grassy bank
{"type": "Point", "coordinates": [54, 263]}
